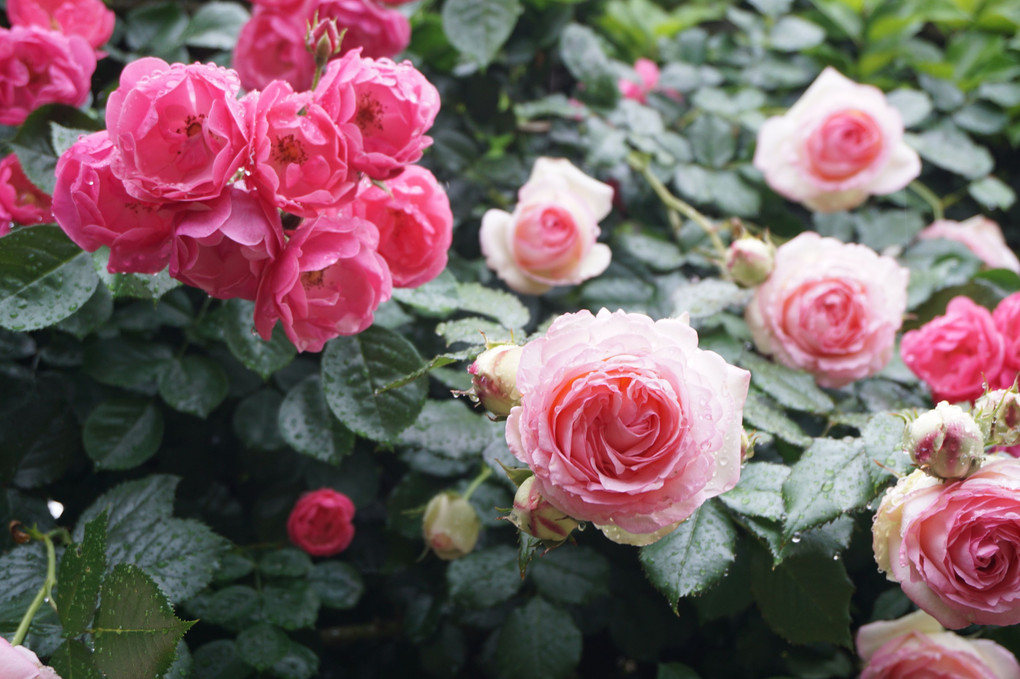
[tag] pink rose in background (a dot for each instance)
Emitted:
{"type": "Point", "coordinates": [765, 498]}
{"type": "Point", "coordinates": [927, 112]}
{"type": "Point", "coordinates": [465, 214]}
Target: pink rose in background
{"type": "Point", "coordinates": [648, 73]}
{"type": "Point", "coordinates": [957, 353]}
{"type": "Point", "coordinates": [1007, 320]}
{"type": "Point", "coordinates": [179, 130]}
{"type": "Point", "coordinates": [38, 67]}
{"type": "Point", "coordinates": [626, 423]}
{"type": "Point", "coordinates": [954, 547]}
{"type": "Point", "coordinates": [271, 46]}
{"type": "Point", "coordinates": [328, 281]}
{"type": "Point", "coordinates": [981, 235]}
{"type": "Point", "coordinates": [550, 239]}
{"type": "Point", "coordinates": [916, 645]}
{"type": "Point", "coordinates": [414, 221]}
{"type": "Point", "coordinates": [296, 8]}
{"type": "Point", "coordinates": [18, 662]}
{"type": "Point", "coordinates": [20, 199]}
{"type": "Point", "coordinates": [379, 31]}
{"type": "Point", "coordinates": [840, 143]}
{"type": "Point", "coordinates": [89, 19]}
{"type": "Point", "coordinates": [830, 308]}
{"type": "Point", "coordinates": [320, 522]}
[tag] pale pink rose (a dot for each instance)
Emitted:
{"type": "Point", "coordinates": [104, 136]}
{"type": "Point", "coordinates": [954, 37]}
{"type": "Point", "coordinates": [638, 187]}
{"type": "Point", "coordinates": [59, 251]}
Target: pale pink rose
{"type": "Point", "coordinates": [393, 106]}
{"type": "Point", "coordinates": [179, 130]}
{"type": "Point", "coordinates": [20, 198]}
{"type": "Point", "coordinates": [840, 143]}
{"type": "Point", "coordinates": [414, 221]}
{"type": "Point", "coordinates": [89, 19]}
{"type": "Point", "coordinates": [550, 239]}
{"type": "Point", "coordinates": [957, 353]}
{"type": "Point", "coordinates": [379, 31]}
{"type": "Point", "coordinates": [18, 662]}
{"type": "Point", "coordinates": [92, 206]}
{"type": "Point", "coordinates": [271, 46]}
{"type": "Point", "coordinates": [1007, 320]}
{"type": "Point", "coordinates": [916, 645]}
{"type": "Point", "coordinates": [830, 308]}
{"type": "Point", "coordinates": [299, 157]}
{"type": "Point", "coordinates": [38, 67]}
{"type": "Point", "coordinates": [626, 422]}
{"type": "Point", "coordinates": [328, 281]}
{"type": "Point", "coordinates": [648, 74]}
{"type": "Point", "coordinates": [223, 246]}
{"type": "Point", "coordinates": [954, 547]}
{"type": "Point", "coordinates": [981, 235]}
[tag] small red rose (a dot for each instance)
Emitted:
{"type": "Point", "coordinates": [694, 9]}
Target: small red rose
{"type": "Point", "coordinates": [320, 522]}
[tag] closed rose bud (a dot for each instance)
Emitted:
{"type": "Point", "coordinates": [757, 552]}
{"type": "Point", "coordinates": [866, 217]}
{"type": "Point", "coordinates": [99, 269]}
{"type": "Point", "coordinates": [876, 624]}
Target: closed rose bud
{"type": "Point", "coordinates": [495, 378]}
{"type": "Point", "coordinates": [749, 261]}
{"type": "Point", "coordinates": [323, 40]}
{"type": "Point", "coordinates": [532, 514]}
{"type": "Point", "coordinates": [746, 446]}
{"type": "Point", "coordinates": [945, 442]}
{"type": "Point", "coordinates": [999, 413]}
{"type": "Point", "coordinates": [450, 526]}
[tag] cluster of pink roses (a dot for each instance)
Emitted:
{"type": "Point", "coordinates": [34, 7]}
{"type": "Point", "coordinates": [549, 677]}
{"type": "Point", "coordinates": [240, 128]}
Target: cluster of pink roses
{"type": "Point", "coordinates": [187, 174]}
{"type": "Point", "coordinates": [271, 46]}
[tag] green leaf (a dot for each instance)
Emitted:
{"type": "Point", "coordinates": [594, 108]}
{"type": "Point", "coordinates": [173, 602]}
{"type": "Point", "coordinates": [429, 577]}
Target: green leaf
{"type": "Point", "coordinates": [285, 563]}
{"type": "Point", "coordinates": [79, 578]}
{"type": "Point", "coordinates": [452, 429]}
{"type": "Point", "coordinates": [136, 631]}
{"type": "Point", "coordinates": [309, 426]}
{"type": "Point", "coordinates": [734, 195]}
{"type": "Point", "coordinates": [538, 641]}
{"type": "Point", "coordinates": [337, 584]}
{"type": "Point", "coordinates": [478, 28]}
{"type": "Point", "coordinates": [913, 105]}
{"type": "Point", "coordinates": [90, 316]}
{"type": "Point", "coordinates": [36, 426]}
{"type": "Point", "coordinates": [675, 670]}
{"type": "Point", "coordinates": [219, 660]}
{"type": "Point", "coordinates": [792, 388]}
{"type": "Point", "coordinates": [265, 358]}
{"type": "Point", "coordinates": [707, 297]}
{"type": "Point", "coordinates": [193, 385]}
{"type": "Point", "coordinates": [22, 570]}
{"type": "Point", "coordinates": [353, 368]}
{"type": "Point", "coordinates": [125, 362]}
{"type": "Point", "coordinates": [793, 34]}
{"type": "Point", "coordinates": [73, 660]}
{"type": "Point", "coordinates": [484, 578]}
{"type": "Point", "coordinates": [760, 491]}
{"type": "Point", "coordinates": [44, 278]}
{"type": "Point", "coordinates": [122, 433]}
{"type": "Point", "coordinates": [292, 604]}
{"type": "Point", "coordinates": [262, 645]}
{"type": "Point", "coordinates": [33, 142]}
{"type": "Point", "coordinates": [584, 58]}
{"type": "Point", "coordinates": [502, 306]}
{"type": "Point", "coordinates": [571, 575]}
{"type": "Point", "coordinates": [946, 146]}
{"type": "Point", "coordinates": [215, 25]}
{"type": "Point", "coordinates": [256, 420]}
{"type": "Point", "coordinates": [882, 229]}
{"type": "Point", "coordinates": [156, 29]}
{"type": "Point", "coordinates": [299, 662]}
{"type": "Point", "coordinates": [149, 287]}
{"type": "Point", "coordinates": [694, 556]}
{"type": "Point", "coordinates": [992, 193]}
{"type": "Point", "coordinates": [232, 607]}
{"type": "Point", "coordinates": [713, 140]}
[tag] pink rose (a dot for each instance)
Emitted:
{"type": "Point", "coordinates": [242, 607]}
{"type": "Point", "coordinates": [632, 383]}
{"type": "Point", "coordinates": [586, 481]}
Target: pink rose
{"type": "Point", "coordinates": [224, 247]}
{"type": "Point", "coordinates": [295, 8]}
{"type": "Point", "coordinates": [414, 221]}
{"type": "Point", "coordinates": [298, 155]}
{"type": "Point", "coordinates": [18, 662]}
{"type": "Point", "coordinates": [954, 547]}
{"type": "Point", "coordinates": [957, 353]}
{"type": "Point", "coordinates": [626, 423]}
{"type": "Point", "coordinates": [917, 646]}
{"type": "Point", "coordinates": [380, 32]}
{"type": "Point", "coordinates": [89, 19]}
{"type": "Point", "coordinates": [837, 145]}
{"type": "Point", "coordinates": [92, 206]}
{"type": "Point", "coordinates": [40, 67]}
{"type": "Point", "coordinates": [20, 198]}
{"type": "Point", "coordinates": [179, 130]}
{"type": "Point", "coordinates": [320, 522]}
{"type": "Point", "coordinates": [648, 73]}
{"type": "Point", "coordinates": [1007, 320]}
{"type": "Point", "coordinates": [830, 308]}
{"type": "Point", "coordinates": [981, 235]}
{"type": "Point", "coordinates": [550, 239]}
{"type": "Point", "coordinates": [271, 46]}
{"type": "Point", "coordinates": [328, 281]}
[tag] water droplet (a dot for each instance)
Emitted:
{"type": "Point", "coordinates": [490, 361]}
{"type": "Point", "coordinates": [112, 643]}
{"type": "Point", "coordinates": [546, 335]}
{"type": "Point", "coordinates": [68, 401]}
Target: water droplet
{"type": "Point", "coordinates": [795, 538]}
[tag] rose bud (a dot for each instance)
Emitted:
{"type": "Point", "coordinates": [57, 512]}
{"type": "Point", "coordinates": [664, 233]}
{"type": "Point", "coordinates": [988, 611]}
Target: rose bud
{"type": "Point", "coordinates": [532, 514]}
{"type": "Point", "coordinates": [323, 40]}
{"type": "Point", "coordinates": [999, 411]}
{"type": "Point", "coordinates": [945, 442]}
{"type": "Point", "coordinates": [495, 378]}
{"type": "Point", "coordinates": [749, 261]}
{"type": "Point", "coordinates": [450, 526]}
{"type": "Point", "coordinates": [746, 446]}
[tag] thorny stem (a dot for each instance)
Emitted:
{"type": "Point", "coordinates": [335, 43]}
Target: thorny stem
{"type": "Point", "coordinates": [928, 196]}
{"type": "Point", "coordinates": [479, 480]}
{"type": "Point", "coordinates": [46, 591]}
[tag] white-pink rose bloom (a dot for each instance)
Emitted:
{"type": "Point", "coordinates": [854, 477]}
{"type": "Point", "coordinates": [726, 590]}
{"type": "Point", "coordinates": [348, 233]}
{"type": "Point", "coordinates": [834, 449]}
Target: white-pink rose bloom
{"type": "Point", "coordinates": [18, 662]}
{"type": "Point", "coordinates": [626, 422]}
{"type": "Point", "coordinates": [840, 143]}
{"type": "Point", "coordinates": [981, 235]}
{"type": "Point", "coordinates": [830, 308]}
{"type": "Point", "coordinates": [550, 239]}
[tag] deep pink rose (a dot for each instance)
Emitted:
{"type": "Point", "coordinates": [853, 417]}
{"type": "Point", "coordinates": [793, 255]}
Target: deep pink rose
{"type": "Point", "coordinates": [89, 19]}
{"type": "Point", "coordinates": [954, 547]}
{"type": "Point", "coordinates": [320, 522]}
{"type": "Point", "coordinates": [840, 143]}
{"type": "Point", "coordinates": [38, 67]}
{"type": "Point", "coordinates": [415, 224]}
{"type": "Point", "coordinates": [179, 130]}
{"type": "Point", "coordinates": [626, 423]}
{"type": "Point", "coordinates": [328, 281]}
{"type": "Point", "coordinates": [916, 645]}
{"type": "Point", "coordinates": [648, 77]}
{"type": "Point", "coordinates": [92, 206]}
{"type": "Point", "coordinates": [299, 9]}
{"type": "Point", "coordinates": [223, 246]}
{"type": "Point", "coordinates": [830, 308]}
{"type": "Point", "coordinates": [957, 353]}
{"type": "Point", "coordinates": [379, 31]}
{"type": "Point", "coordinates": [20, 199]}
{"type": "Point", "coordinates": [271, 46]}
{"type": "Point", "coordinates": [981, 235]}
{"type": "Point", "coordinates": [18, 662]}
{"type": "Point", "coordinates": [1007, 320]}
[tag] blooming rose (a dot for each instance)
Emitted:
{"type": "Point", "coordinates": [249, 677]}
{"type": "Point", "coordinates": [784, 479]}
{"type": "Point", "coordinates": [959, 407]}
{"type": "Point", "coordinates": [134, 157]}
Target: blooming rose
{"type": "Point", "coordinates": [18, 662]}
{"type": "Point", "coordinates": [179, 130]}
{"type": "Point", "coordinates": [271, 46]}
{"type": "Point", "coordinates": [1007, 320]}
{"type": "Point", "coordinates": [648, 73]}
{"type": "Point", "coordinates": [38, 67]}
{"type": "Point", "coordinates": [89, 19]}
{"type": "Point", "coordinates": [981, 235]}
{"type": "Point", "coordinates": [415, 224]}
{"type": "Point", "coordinates": [957, 353]}
{"type": "Point", "coordinates": [550, 237]}
{"type": "Point", "coordinates": [320, 522]}
{"type": "Point", "coordinates": [20, 199]}
{"type": "Point", "coordinates": [379, 31]}
{"type": "Point", "coordinates": [626, 423]}
{"type": "Point", "coordinates": [328, 281]}
{"type": "Point", "coordinates": [830, 308]}
{"type": "Point", "coordinates": [837, 145]}
{"type": "Point", "coordinates": [917, 646]}
{"type": "Point", "coordinates": [954, 547]}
